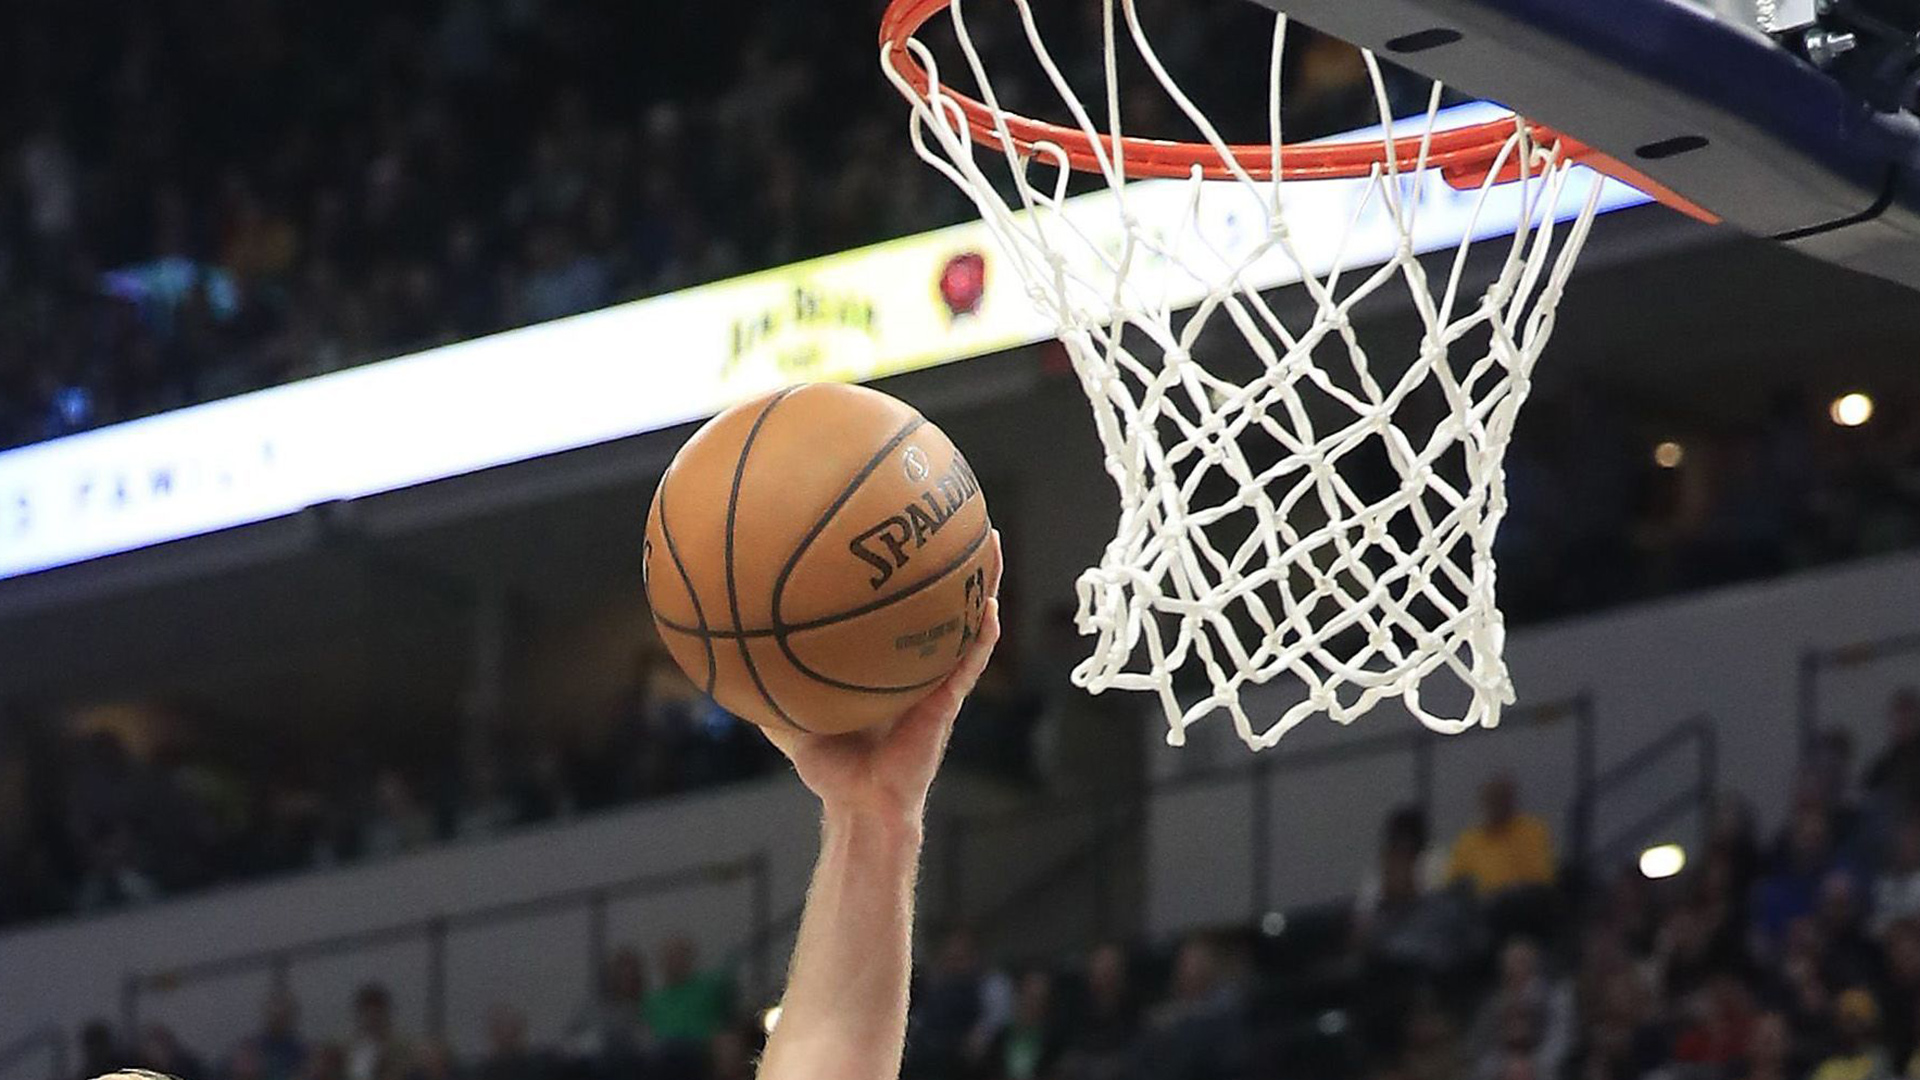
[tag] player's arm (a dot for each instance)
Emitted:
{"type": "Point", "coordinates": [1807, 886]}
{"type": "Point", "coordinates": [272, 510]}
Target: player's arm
{"type": "Point", "coordinates": [844, 1015]}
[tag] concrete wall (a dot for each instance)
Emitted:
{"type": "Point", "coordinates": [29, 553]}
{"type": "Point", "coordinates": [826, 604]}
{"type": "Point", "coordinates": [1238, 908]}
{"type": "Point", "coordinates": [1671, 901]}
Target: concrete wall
{"type": "Point", "coordinates": [1734, 654]}
{"type": "Point", "coordinates": [70, 971]}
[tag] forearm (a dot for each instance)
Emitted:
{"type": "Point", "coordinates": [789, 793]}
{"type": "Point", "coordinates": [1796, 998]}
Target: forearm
{"type": "Point", "coordinates": [844, 1014]}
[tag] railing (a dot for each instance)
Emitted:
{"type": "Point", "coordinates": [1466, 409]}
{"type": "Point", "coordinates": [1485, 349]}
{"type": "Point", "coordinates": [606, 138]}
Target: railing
{"type": "Point", "coordinates": [49, 1040]}
{"type": "Point", "coordinates": [1816, 664]}
{"type": "Point", "coordinates": [1113, 812]}
{"type": "Point", "coordinates": [1697, 734]}
{"type": "Point", "coordinates": [754, 871]}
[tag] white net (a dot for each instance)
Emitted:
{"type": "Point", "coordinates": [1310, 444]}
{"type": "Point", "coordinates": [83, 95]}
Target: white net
{"type": "Point", "coordinates": [1292, 505]}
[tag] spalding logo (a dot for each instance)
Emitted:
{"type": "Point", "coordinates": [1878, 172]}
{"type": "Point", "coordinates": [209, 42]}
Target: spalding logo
{"type": "Point", "coordinates": [889, 545]}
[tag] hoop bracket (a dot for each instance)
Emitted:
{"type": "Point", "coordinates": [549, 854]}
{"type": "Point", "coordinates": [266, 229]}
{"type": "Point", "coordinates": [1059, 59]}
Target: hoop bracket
{"type": "Point", "coordinates": [1464, 156]}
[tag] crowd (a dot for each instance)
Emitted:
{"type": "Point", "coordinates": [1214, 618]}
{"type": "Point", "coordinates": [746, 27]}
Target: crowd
{"type": "Point", "coordinates": [88, 824]}
{"type": "Point", "coordinates": [197, 199]}
{"type": "Point", "coordinates": [685, 1027]}
{"type": "Point", "coordinates": [1796, 958]}
{"type": "Point", "coordinates": [93, 819]}
{"type": "Point", "coordinates": [1648, 511]}
{"type": "Point", "coordinates": [200, 199]}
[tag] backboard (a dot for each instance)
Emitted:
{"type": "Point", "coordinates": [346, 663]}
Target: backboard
{"type": "Point", "coordinates": [1785, 120]}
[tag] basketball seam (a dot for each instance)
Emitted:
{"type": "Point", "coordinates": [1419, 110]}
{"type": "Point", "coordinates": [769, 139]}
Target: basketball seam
{"type": "Point", "coordinates": [673, 552]}
{"type": "Point", "coordinates": [781, 634]}
{"type": "Point", "coordinates": [931, 579]}
{"type": "Point", "coordinates": [828, 620]}
{"type": "Point", "coordinates": [833, 509]}
{"type": "Point", "coordinates": [733, 593]}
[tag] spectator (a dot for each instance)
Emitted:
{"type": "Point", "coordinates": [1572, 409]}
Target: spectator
{"type": "Point", "coordinates": [398, 823]}
{"type": "Point", "coordinates": [100, 1051]}
{"type": "Point", "coordinates": [1805, 987]}
{"type": "Point", "coordinates": [160, 1051]}
{"type": "Point", "coordinates": [689, 1006]}
{"type": "Point", "coordinates": [1400, 921]}
{"type": "Point", "coordinates": [1430, 1049]}
{"type": "Point", "coordinates": [328, 1062]}
{"type": "Point", "coordinates": [1894, 776]}
{"type": "Point", "coordinates": [1857, 1054]}
{"type": "Point", "coordinates": [1852, 957]}
{"type": "Point", "coordinates": [1507, 862]}
{"type": "Point", "coordinates": [508, 1057]}
{"type": "Point", "coordinates": [1719, 1023]}
{"type": "Point", "coordinates": [435, 1061]}
{"type": "Point", "coordinates": [1791, 889]}
{"type": "Point", "coordinates": [114, 879]}
{"type": "Point", "coordinates": [1195, 1034]}
{"type": "Point", "coordinates": [1769, 1051]}
{"type": "Point", "coordinates": [1529, 1014]}
{"type": "Point", "coordinates": [1832, 768]}
{"type": "Point", "coordinates": [1695, 943]}
{"type": "Point", "coordinates": [376, 1052]}
{"type": "Point", "coordinates": [1508, 850]}
{"type": "Point", "coordinates": [245, 1063]}
{"type": "Point", "coordinates": [1405, 859]}
{"type": "Point", "coordinates": [613, 1026]}
{"type": "Point", "coordinates": [1900, 991]}
{"type": "Point", "coordinates": [958, 1013]}
{"type": "Point", "coordinates": [486, 810]}
{"type": "Point", "coordinates": [729, 1056]}
{"type": "Point", "coordinates": [1732, 842]}
{"type": "Point", "coordinates": [1029, 1046]}
{"type": "Point", "coordinates": [550, 789]}
{"type": "Point", "coordinates": [279, 1050]}
{"type": "Point", "coordinates": [1896, 895]}
{"type": "Point", "coordinates": [1099, 1042]}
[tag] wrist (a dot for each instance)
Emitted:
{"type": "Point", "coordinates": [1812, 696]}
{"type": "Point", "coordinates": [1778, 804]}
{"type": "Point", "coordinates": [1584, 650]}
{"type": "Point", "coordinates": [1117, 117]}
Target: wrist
{"type": "Point", "coordinates": [890, 825]}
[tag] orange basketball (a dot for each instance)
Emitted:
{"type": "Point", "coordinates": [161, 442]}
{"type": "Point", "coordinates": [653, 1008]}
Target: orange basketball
{"type": "Point", "coordinates": [817, 558]}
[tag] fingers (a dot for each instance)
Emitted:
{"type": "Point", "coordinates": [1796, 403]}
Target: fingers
{"type": "Point", "coordinates": [960, 683]}
{"type": "Point", "coordinates": [999, 565]}
{"type": "Point", "coordinates": [782, 738]}
{"type": "Point", "coordinates": [932, 719]}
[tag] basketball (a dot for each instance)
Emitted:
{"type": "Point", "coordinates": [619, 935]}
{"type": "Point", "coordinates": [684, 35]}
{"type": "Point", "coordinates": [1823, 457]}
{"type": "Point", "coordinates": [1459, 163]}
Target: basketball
{"type": "Point", "coordinates": [817, 558]}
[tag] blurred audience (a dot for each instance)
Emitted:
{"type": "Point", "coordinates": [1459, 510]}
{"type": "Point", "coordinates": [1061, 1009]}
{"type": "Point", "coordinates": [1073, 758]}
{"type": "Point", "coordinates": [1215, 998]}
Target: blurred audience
{"type": "Point", "coordinates": [688, 1007]}
{"type": "Point", "coordinates": [959, 1010]}
{"type": "Point", "coordinates": [1679, 979]}
{"type": "Point", "coordinates": [376, 1051]}
{"type": "Point", "coordinates": [1508, 850]}
{"type": "Point", "coordinates": [278, 1051]}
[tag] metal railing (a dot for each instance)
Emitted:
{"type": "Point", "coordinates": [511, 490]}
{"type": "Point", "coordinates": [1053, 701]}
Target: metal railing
{"type": "Point", "coordinates": [1817, 664]}
{"type": "Point", "coordinates": [48, 1040]}
{"type": "Point", "coordinates": [1115, 811]}
{"type": "Point", "coordinates": [1697, 734]}
{"type": "Point", "coordinates": [754, 871]}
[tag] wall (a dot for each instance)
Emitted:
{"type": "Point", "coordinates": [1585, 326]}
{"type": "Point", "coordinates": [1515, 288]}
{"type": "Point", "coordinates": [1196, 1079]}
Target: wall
{"type": "Point", "coordinates": [1734, 654]}
{"type": "Point", "coordinates": [71, 971]}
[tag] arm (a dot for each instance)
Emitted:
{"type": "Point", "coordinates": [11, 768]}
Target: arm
{"type": "Point", "coordinates": [844, 1015]}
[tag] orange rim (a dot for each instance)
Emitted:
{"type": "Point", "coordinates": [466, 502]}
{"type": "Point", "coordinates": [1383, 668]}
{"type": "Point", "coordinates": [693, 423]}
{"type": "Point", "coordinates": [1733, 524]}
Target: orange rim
{"type": "Point", "coordinates": [1464, 156]}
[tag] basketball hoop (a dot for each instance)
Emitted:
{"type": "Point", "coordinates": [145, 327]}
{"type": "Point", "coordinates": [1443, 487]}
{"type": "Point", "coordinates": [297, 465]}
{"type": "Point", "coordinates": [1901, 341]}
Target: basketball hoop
{"type": "Point", "coordinates": [1362, 587]}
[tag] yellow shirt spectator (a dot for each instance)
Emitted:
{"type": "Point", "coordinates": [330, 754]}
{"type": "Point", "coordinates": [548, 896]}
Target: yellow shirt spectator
{"type": "Point", "coordinates": [1520, 853]}
{"type": "Point", "coordinates": [1507, 850]}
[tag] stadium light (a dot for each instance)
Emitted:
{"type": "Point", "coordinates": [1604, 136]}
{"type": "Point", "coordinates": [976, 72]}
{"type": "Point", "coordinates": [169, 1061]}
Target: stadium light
{"type": "Point", "coordinates": [1669, 455]}
{"type": "Point", "coordinates": [1852, 409]}
{"type": "Point", "coordinates": [1662, 861]}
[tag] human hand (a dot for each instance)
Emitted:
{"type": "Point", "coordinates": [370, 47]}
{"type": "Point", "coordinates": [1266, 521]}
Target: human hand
{"type": "Point", "coordinates": [887, 771]}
